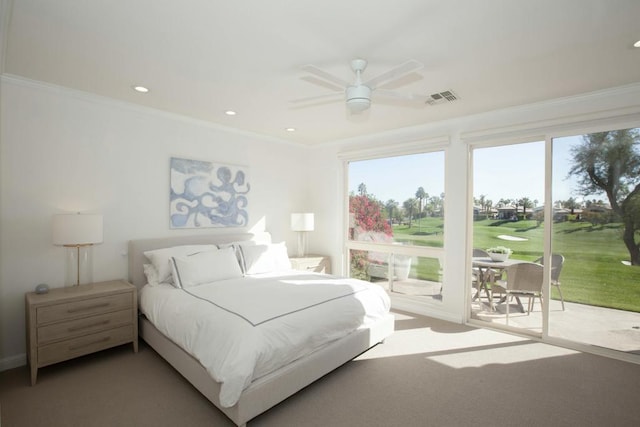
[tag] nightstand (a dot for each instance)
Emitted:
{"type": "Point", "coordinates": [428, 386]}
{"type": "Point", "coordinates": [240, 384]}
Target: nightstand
{"type": "Point", "coordinates": [70, 322]}
{"type": "Point", "coordinates": [317, 263]}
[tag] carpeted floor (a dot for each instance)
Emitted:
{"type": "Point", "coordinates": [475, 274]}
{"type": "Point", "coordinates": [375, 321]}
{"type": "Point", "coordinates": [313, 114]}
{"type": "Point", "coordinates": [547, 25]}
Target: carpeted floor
{"type": "Point", "coordinates": [429, 373]}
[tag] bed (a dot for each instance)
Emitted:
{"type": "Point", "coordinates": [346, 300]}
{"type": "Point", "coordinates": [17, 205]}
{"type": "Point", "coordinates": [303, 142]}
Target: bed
{"type": "Point", "coordinates": [267, 390]}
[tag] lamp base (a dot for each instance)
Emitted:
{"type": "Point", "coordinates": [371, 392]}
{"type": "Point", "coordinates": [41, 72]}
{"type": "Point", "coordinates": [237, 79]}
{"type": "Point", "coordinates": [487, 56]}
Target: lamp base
{"type": "Point", "coordinates": [79, 265]}
{"type": "Point", "coordinates": [302, 243]}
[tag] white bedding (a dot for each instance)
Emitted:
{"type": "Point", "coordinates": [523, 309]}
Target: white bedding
{"type": "Point", "coordinates": [242, 329]}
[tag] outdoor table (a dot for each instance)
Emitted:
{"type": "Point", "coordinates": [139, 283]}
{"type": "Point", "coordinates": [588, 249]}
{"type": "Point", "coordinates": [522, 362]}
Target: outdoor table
{"type": "Point", "coordinates": [484, 264]}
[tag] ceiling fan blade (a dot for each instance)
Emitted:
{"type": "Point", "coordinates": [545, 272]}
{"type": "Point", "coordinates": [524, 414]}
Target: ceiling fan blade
{"type": "Point", "coordinates": [312, 69]}
{"type": "Point", "coordinates": [334, 95]}
{"type": "Point", "coordinates": [323, 83]}
{"type": "Point", "coordinates": [394, 73]}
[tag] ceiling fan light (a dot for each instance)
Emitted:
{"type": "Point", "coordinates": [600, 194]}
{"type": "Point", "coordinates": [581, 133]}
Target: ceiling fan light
{"type": "Point", "coordinates": [358, 98]}
{"type": "Point", "coordinates": [358, 105]}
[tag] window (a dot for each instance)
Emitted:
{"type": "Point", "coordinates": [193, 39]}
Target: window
{"type": "Point", "coordinates": [396, 223]}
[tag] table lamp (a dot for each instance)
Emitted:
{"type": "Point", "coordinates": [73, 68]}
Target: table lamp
{"type": "Point", "coordinates": [302, 223]}
{"type": "Point", "coordinates": [78, 233]}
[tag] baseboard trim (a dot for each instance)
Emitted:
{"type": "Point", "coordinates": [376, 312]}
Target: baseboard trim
{"type": "Point", "coordinates": [13, 362]}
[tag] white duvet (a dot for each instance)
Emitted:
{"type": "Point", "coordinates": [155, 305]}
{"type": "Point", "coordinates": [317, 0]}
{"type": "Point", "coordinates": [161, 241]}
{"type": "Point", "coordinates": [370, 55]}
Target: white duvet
{"type": "Point", "coordinates": [242, 329]}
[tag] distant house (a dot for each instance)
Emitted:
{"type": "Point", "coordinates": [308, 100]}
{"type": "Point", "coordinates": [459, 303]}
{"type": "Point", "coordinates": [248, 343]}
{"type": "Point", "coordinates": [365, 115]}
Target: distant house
{"type": "Point", "coordinates": [509, 212]}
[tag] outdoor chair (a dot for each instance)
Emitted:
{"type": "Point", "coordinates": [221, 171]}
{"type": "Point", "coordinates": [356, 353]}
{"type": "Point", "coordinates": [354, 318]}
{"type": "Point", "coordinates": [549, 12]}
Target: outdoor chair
{"type": "Point", "coordinates": [523, 280]}
{"type": "Point", "coordinates": [557, 261]}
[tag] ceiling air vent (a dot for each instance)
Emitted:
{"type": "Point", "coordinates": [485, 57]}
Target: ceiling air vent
{"type": "Point", "coordinates": [442, 97]}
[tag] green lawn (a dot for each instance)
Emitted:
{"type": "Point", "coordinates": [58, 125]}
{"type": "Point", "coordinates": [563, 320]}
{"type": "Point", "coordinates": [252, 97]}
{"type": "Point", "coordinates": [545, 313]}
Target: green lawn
{"type": "Point", "coordinates": [592, 274]}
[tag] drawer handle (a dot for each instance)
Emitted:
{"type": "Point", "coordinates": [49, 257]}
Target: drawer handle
{"type": "Point", "coordinates": [92, 325]}
{"type": "Point", "coordinates": [78, 347]}
{"type": "Point", "coordinates": [89, 307]}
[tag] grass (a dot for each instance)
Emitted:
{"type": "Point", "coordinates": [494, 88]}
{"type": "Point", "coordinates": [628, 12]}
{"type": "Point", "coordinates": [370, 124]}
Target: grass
{"type": "Point", "coordinates": [592, 273]}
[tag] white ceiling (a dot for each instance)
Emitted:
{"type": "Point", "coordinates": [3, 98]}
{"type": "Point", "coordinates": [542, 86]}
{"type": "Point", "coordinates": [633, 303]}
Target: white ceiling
{"type": "Point", "coordinates": [202, 57]}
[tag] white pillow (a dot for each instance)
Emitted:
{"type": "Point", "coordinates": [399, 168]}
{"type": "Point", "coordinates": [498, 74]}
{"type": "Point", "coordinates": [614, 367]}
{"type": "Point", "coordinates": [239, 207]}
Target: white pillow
{"type": "Point", "coordinates": [160, 258]}
{"type": "Point", "coordinates": [205, 267]}
{"type": "Point", "coordinates": [151, 273]}
{"type": "Point", "coordinates": [236, 247]}
{"type": "Point", "coordinates": [265, 258]}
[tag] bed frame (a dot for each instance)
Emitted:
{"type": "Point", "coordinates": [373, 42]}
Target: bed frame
{"type": "Point", "coordinates": [271, 389]}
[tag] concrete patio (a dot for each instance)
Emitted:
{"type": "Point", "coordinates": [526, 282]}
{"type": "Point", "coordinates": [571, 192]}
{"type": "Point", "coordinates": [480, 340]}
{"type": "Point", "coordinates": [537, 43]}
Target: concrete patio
{"type": "Point", "coordinates": [603, 327]}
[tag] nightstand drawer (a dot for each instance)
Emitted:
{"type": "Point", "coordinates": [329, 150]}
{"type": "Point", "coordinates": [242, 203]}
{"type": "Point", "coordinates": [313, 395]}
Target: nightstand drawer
{"type": "Point", "coordinates": [317, 263]}
{"type": "Point", "coordinates": [84, 326]}
{"type": "Point", "coordinates": [68, 349]}
{"type": "Point", "coordinates": [88, 307]}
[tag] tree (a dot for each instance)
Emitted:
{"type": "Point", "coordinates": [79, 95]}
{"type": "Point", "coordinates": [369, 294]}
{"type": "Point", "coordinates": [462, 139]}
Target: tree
{"type": "Point", "coordinates": [362, 189]}
{"type": "Point", "coordinates": [571, 204]}
{"type": "Point", "coordinates": [504, 202]}
{"type": "Point", "coordinates": [391, 207]}
{"type": "Point", "coordinates": [481, 202]}
{"type": "Point", "coordinates": [525, 202]}
{"type": "Point", "coordinates": [367, 214]}
{"type": "Point", "coordinates": [609, 162]}
{"type": "Point", "coordinates": [420, 195]}
{"type": "Point", "coordinates": [408, 206]}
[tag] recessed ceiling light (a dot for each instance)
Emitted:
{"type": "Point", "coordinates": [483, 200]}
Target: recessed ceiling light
{"type": "Point", "coordinates": [140, 89]}
{"type": "Point", "coordinates": [637, 44]}
{"type": "Point", "coordinates": [290, 129]}
{"type": "Point", "coordinates": [230, 113]}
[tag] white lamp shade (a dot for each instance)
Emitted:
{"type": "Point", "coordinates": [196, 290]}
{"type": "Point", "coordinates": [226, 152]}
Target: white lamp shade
{"type": "Point", "coordinates": [77, 229]}
{"type": "Point", "coordinates": [302, 221]}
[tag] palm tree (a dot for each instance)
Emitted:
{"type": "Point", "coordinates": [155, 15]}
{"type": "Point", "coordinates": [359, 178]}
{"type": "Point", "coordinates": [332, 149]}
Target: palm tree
{"type": "Point", "coordinates": [362, 189]}
{"type": "Point", "coordinates": [420, 195]}
{"type": "Point", "coordinates": [525, 202]}
{"type": "Point", "coordinates": [391, 205]}
{"type": "Point", "coordinates": [408, 206]}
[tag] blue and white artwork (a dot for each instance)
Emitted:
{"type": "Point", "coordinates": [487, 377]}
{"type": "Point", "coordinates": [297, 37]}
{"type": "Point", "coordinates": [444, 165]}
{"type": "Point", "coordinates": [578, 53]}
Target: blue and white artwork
{"type": "Point", "coordinates": [204, 194]}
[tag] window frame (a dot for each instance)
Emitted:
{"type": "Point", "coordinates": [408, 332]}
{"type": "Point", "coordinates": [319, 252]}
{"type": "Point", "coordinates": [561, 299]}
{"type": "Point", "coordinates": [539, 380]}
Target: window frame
{"type": "Point", "coordinates": [419, 147]}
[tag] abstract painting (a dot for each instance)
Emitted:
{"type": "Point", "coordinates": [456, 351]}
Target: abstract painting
{"type": "Point", "coordinates": [204, 194]}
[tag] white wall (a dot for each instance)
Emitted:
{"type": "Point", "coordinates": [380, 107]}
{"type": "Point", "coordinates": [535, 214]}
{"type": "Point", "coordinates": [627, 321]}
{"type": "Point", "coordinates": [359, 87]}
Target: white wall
{"type": "Point", "coordinates": [64, 151]}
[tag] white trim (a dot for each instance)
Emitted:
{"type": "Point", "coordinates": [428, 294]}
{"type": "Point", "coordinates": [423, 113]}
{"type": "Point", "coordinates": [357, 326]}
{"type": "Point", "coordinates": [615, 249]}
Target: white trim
{"type": "Point", "coordinates": [585, 123]}
{"type": "Point", "coordinates": [547, 234]}
{"type": "Point", "coordinates": [397, 149]}
{"type": "Point", "coordinates": [389, 248]}
{"type": "Point", "coordinates": [6, 8]}
{"type": "Point", "coordinates": [13, 362]}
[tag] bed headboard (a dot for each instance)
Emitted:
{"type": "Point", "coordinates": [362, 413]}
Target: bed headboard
{"type": "Point", "coordinates": [138, 247]}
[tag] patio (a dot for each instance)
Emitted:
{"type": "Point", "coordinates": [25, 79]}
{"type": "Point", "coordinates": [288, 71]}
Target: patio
{"type": "Point", "coordinates": [603, 327]}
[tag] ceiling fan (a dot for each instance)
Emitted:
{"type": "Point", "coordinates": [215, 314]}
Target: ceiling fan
{"type": "Point", "coordinates": [358, 94]}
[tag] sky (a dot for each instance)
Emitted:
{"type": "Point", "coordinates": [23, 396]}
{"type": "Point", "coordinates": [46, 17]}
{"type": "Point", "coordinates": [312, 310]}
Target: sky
{"type": "Point", "coordinates": [398, 178]}
{"type": "Point", "coordinates": [505, 172]}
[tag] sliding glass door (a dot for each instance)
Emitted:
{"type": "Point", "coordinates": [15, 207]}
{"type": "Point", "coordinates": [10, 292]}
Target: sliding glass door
{"type": "Point", "coordinates": [595, 235]}
{"type": "Point", "coordinates": [508, 217]}
{"type": "Point", "coordinates": [590, 290]}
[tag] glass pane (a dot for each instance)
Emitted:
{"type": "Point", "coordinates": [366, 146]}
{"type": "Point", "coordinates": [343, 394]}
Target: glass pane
{"type": "Point", "coordinates": [508, 188]}
{"type": "Point", "coordinates": [596, 232]}
{"type": "Point", "coordinates": [397, 200]}
{"type": "Point", "coordinates": [414, 276]}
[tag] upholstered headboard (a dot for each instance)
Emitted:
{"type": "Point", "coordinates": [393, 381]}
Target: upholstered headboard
{"type": "Point", "coordinates": [138, 247]}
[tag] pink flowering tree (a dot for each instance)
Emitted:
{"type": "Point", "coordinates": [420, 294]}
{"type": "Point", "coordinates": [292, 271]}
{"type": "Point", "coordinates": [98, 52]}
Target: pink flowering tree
{"type": "Point", "coordinates": [368, 219]}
